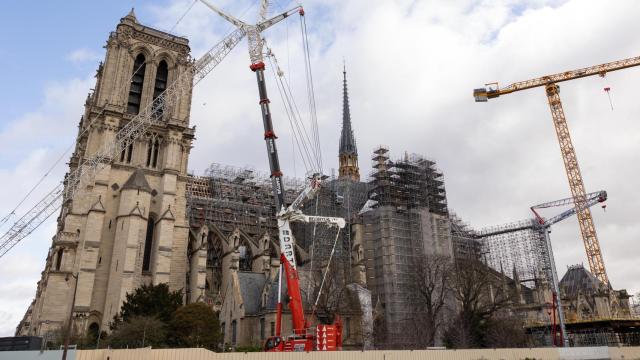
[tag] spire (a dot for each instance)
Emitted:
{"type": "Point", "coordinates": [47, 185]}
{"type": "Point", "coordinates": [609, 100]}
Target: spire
{"type": "Point", "coordinates": [347, 141]}
{"type": "Point", "coordinates": [348, 154]}
{"type": "Point", "coordinates": [130, 16]}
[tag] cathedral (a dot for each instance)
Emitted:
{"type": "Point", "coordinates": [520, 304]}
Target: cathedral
{"type": "Point", "coordinates": [128, 227]}
{"type": "Point", "coordinates": [144, 220]}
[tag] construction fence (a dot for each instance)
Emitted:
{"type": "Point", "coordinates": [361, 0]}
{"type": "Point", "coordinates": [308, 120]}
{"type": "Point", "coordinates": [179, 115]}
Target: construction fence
{"type": "Point", "coordinates": [586, 353]}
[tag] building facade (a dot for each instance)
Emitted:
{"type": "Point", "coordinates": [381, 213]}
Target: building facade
{"type": "Point", "coordinates": [128, 226]}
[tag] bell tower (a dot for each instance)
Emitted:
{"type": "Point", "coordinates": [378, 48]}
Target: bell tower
{"type": "Point", "coordinates": [348, 153]}
{"type": "Point", "coordinates": [127, 227]}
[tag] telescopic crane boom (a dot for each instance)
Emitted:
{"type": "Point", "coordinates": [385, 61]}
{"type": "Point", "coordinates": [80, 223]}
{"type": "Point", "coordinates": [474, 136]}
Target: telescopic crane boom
{"type": "Point", "coordinates": [301, 340]}
{"type": "Point", "coordinates": [576, 184]}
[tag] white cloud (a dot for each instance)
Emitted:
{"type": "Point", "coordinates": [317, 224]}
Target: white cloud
{"type": "Point", "coordinates": [83, 55]}
{"type": "Point", "coordinates": [30, 145]}
{"type": "Point", "coordinates": [412, 67]}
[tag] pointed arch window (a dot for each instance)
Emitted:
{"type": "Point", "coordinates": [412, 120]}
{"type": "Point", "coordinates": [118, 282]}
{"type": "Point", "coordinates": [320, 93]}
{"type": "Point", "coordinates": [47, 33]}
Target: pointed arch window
{"type": "Point", "coordinates": [137, 82]}
{"type": "Point", "coordinates": [153, 148]}
{"type": "Point", "coordinates": [245, 258]}
{"type": "Point", "coordinates": [127, 153]}
{"type": "Point", "coordinates": [148, 241]}
{"type": "Point", "coordinates": [59, 258]}
{"type": "Point", "coordinates": [162, 76]}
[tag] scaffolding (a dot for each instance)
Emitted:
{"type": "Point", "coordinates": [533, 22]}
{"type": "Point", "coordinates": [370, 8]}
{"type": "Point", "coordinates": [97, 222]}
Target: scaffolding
{"type": "Point", "coordinates": [465, 239]}
{"type": "Point", "coordinates": [410, 182]}
{"type": "Point", "coordinates": [231, 197]}
{"type": "Point", "coordinates": [407, 220]}
{"type": "Point", "coordinates": [236, 197]}
{"type": "Point", "coordinates": [518, 246]}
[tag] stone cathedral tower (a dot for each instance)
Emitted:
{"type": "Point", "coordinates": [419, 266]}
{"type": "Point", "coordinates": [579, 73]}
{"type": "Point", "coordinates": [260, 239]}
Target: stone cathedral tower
{"type": "Point", "coordinates": [128, 227]}
{"type": "Point", "coordinates": [348, 153]}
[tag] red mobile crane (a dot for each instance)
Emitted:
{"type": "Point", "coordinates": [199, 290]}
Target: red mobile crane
{"type": "Point", "coordinates": [323, 337]}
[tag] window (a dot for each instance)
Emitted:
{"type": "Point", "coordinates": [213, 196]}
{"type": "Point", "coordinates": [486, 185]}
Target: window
{"type": "Point", "coordinates": [59, 259]}
{"type": "Point", "coordinates": [273, 328]}
{"type": "Point", "coordinates": [233, 332]}
{"type": "Point", "coordinates": [127, 153]}
{"type": "Point", "coordinates": [245, 258]}
{"type": "Point", "coordinates": [146, 259]}
{"type": "Point", "coordinates": [347, 328]}
{"type": "Point", "coordinates": [137, 81]}
{"type": "Point", "coordinates": [262, 329]}
{"type": "Point", "coordinates": [162, 76]}
{"type": "Point", "coordinates": [153, 147]}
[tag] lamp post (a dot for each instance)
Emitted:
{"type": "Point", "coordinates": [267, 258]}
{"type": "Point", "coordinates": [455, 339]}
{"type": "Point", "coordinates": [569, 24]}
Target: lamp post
{"type": "Point", "coordinates": [68, 333]}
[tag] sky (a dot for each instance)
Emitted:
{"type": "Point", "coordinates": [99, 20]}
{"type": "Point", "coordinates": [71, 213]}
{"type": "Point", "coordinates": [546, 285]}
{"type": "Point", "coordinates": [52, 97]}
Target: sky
{"type": "Point", "coordinates": [411, 67]}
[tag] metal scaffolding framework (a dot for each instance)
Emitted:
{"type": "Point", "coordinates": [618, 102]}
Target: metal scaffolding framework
{"type": "Point", "coordinates": [519, 245]}
{"type": "Point", "coordinates": [407, 220]}
{"type": "Point", "coordinates": [236, 197]}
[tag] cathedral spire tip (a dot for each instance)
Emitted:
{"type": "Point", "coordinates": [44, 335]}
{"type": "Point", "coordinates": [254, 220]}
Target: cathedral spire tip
{"type": "Point", "coordinates": [132, 15]}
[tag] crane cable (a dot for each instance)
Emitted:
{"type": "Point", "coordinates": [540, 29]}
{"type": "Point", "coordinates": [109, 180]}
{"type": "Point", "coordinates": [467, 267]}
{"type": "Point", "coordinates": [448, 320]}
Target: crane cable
{"type": "Point", "coordinates": [310, 146]}
{"type": "Point", "coordinates": [312, 251]}
{"type": "Point", "coordinates": [311, 91]}
{"type": "Point", "coordinates": [82, 133]}
{"type": "Point", "coordinates": [296, 130]}
{"type": "Point", "coordinates": [305, 145]}
{"type": "Point", "coordinates": [326, 271]}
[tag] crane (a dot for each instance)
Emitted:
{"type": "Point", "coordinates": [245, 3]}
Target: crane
{"type": "Point", "coordinates": [576, 184]}
{"type": "Point", "coordinates": [544, 226]}
{"type": "Point", "coordinates": [325, 337]}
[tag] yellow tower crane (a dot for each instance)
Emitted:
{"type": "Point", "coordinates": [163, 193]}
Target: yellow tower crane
{"type": "Point", "coordinates": [549, 82]}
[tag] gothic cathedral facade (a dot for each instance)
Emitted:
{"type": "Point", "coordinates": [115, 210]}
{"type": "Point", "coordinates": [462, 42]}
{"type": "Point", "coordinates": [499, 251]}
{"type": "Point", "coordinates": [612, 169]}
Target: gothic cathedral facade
{"type": "Point", "coordinates": [128, 226]}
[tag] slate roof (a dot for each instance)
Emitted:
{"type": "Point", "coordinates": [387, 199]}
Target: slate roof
{"type": "Point", "coordinates": [272, 295]}
{"type": "Point", "coordinates": [578, 279]}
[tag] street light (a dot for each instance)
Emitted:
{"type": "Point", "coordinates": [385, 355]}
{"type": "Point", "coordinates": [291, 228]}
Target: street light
{"type": "Point", "coordinates": [68, 334]}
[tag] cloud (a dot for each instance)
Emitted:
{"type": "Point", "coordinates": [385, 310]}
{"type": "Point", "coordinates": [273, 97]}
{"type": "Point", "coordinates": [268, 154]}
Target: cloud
{"type": "Point", "coordinates": [411, 69]}
{"type": "Point", "coordinates": [30, 145]}
{"type": "Point", "coordinates": [83, 55]}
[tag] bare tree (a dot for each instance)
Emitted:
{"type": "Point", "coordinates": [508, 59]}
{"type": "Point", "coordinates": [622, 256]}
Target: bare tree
{"type": "Point", "coordinates": [481, 293]}
{"type": "Point", "coordinates": [430, 293]}
{"type": "Point", "coordinates": [333, 292]}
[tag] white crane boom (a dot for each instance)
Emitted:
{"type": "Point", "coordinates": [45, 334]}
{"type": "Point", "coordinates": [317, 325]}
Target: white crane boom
{"type": "Point", "coordinates": [134, 129]}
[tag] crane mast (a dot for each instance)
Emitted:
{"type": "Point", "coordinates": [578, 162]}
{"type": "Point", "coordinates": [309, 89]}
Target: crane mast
{"type": "Point", "coordinates": [572, 169]}
{"type": "Point", "coordinates": [576, 184]}
{"type": "Point", "coordinates": [301, 340]}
